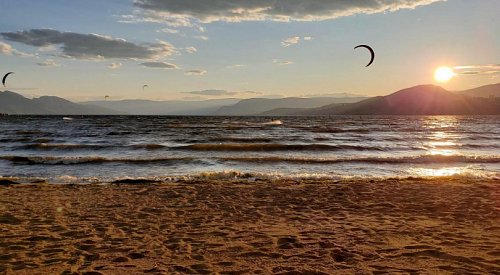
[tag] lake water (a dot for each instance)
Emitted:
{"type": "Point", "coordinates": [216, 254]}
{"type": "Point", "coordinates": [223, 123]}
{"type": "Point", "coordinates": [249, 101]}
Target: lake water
{"type": "Point", "coordinates": [106, 148]}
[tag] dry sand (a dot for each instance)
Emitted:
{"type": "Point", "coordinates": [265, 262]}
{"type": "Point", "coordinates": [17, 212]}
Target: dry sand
{"type": "Point", "coordinates": [282, 227]}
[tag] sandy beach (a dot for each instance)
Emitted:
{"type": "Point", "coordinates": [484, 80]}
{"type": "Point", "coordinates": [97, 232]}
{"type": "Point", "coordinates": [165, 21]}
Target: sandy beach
{"type": "Point", "coordinates": [415, 226]}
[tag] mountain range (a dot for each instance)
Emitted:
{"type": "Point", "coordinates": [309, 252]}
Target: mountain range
{"type": "Point", "coordinates": [255, 106]}
{"type": "Point", "coordinates": [173, 107]}
{"type": "Point", "coordinates": [13, 103]}
{"type": "Point", "coordinates": [418, 100]}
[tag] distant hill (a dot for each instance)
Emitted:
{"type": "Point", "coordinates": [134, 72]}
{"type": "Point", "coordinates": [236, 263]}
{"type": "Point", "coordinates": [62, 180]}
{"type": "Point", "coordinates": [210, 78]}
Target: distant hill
{"type": "Point", "coordinates": [492, 90]}
{"type": "Point", "coordinates": [173, 107]}
{"type": "Point", "coordinates": [418, 100]}
{"type": "Point", "coordinates": [258, 106]}
{"type": "Point", "coordinates": [13, 103]}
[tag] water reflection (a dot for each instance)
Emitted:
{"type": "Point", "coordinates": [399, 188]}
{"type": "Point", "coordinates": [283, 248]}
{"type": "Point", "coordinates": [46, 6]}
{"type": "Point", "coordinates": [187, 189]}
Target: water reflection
{"type": "Point", "coordinates": [440, 131]}
{"type": "Point", "coordinates": [438, 172]}
{"type": "Point", "coordinates": [442, 140]}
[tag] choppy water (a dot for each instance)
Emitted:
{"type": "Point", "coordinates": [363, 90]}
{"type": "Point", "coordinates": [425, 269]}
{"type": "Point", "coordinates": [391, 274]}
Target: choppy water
{"type": "Point", "coordinates": [104, 148]}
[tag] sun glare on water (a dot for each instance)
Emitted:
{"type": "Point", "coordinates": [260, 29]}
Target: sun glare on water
{"type": "Point", "coordinates": [443, 74]}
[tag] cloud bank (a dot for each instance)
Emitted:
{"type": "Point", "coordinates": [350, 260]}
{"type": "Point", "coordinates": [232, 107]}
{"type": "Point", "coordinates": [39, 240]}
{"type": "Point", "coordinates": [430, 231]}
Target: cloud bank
{"type": "Point", "coordinates": [90, 46]}
{"type": "Point", "coordinates": [215, 92]}
{"type": "Point", "coordinates": [276, 10]}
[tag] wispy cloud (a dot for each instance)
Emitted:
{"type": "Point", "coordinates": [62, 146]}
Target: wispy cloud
{"type": "Point", "coordinates": [160, 65]}
{"type": "Point", "coordinates": [282, 62]}
{"type": "Point", "coordinates": [290, 41]}
{"type": "Point", "coordinates": [115, 65]}
{"type": "Point", "coordinates": [236, 66]}
{"type": "Point", "coordinates": [48, 63]}
{"type": "Point", "coordinates": [279, 10]}
{"type": "Point", "coordinates": [200, 37]}
{"type": "Point", "coordinates": [9, 50]}
{"type": "Point", "coordinates": [489, 69]}
{"type": "Point", "coordinates": [168, 30]}
{"type": "Point", "coordinates": [190, 50]}
{"type": "Point", "coordinates": [158, 18]}
{"type": "Point", "coordinates": [196, 72]}
{"type": "Point", "coordinates": [90, 46]}
{"type": "Point", "coordinates": [211, 92]}
{"type": "Point", "coordinates": [294, 40]}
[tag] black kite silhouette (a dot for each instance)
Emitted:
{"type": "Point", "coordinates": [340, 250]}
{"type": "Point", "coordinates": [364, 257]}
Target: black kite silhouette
{"type": "Point", "coordinates": [5, 77]}
{"type": "Point", "coordinates": [371, 52]}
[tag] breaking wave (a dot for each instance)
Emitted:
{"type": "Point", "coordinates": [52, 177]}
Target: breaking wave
{"type": "Point", "coordinates": [422, 159]}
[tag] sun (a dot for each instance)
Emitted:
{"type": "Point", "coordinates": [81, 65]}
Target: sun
{"type": "Point", "coordinates": [443, 74]}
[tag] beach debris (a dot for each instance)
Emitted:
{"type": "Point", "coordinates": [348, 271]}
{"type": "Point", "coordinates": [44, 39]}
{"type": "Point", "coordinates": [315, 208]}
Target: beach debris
{"type": "Point", "coordinates": [371, 52]}
{"type": "Point", "coordinates": [135, 181]}
{"type": "Point", "coordinates": [6, 182]}
{"type": "Point", "coordinates": [5, 77]}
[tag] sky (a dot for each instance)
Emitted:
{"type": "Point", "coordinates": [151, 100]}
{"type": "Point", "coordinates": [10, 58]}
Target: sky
{"type": "Point", "coordinates": [204, 49]}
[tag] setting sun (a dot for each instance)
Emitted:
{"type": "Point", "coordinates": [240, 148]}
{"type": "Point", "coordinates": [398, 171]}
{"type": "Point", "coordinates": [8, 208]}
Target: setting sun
{"type": "Point", "coordinates": [443, 74]}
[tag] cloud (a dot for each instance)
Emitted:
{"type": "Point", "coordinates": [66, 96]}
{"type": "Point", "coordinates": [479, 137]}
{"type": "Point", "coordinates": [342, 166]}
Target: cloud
{"type": "Point", "coordinates": [190, 49]}
{"type": "Point", "coordinates": [290, 41]}
{"type": "Point", "coordinates": [215, 92]}
{"type": "Point", "coordinates": [114, 66]}
{"type": "Point", "coordinates": [200, 37]}
{"type": "Point", "coordinates": [294, 40]}
{"type": "Point", "coordinates": [236, 66]}
{"type": "Point", "coordinates": [490, 69]}
{"type": "Point", "coordinates": [48, 63]}
{"type": "Point", "coordinates": [90, 46]}
{"type": "Point", "coordinates": [282, 62]}
{"type": "Point", "coordinates": [196, 72]}
{"type": "Point", "coordinates": [277, 10]}
{"type": "Point", "coordinates": [157, 18]}
{"type": "Point", "coordinates": [9, 50]}
{"type": "Point", "coordinates": [160, 65]}
{"type": "Point", "coordinates": [168, 30]}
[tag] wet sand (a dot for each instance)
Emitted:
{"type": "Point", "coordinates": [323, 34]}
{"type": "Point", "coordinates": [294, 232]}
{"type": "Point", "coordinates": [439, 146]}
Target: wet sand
{"type": "Point", "coordinates": [416, 226]}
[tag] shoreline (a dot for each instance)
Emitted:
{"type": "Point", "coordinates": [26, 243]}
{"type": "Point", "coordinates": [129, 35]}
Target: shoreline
{"type": "Point", "coordinates": [242, 177]}
{"type": "Point", "coordinates": [441, 225]}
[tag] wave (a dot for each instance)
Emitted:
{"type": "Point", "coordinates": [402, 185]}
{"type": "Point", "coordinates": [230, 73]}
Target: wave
{"type": "Point", "coordinates": [274, 147]}
{"type": "Point", "coordinates": [51, 160]}
{"type": "Point", "coordinates": [422, 159]}
{"type": "Point", "coordinates": [274, 122]}
{"type": "Point", "coordinates": [241, 139]}
{"type": "Point", "coordinates": [151, 146]}
{"type": "Point", "coordinates": [63, 146]}
{"type": "Point", "coordinates": [333, 130]}
{"type": "Point", "coordinates": [250, 177]}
